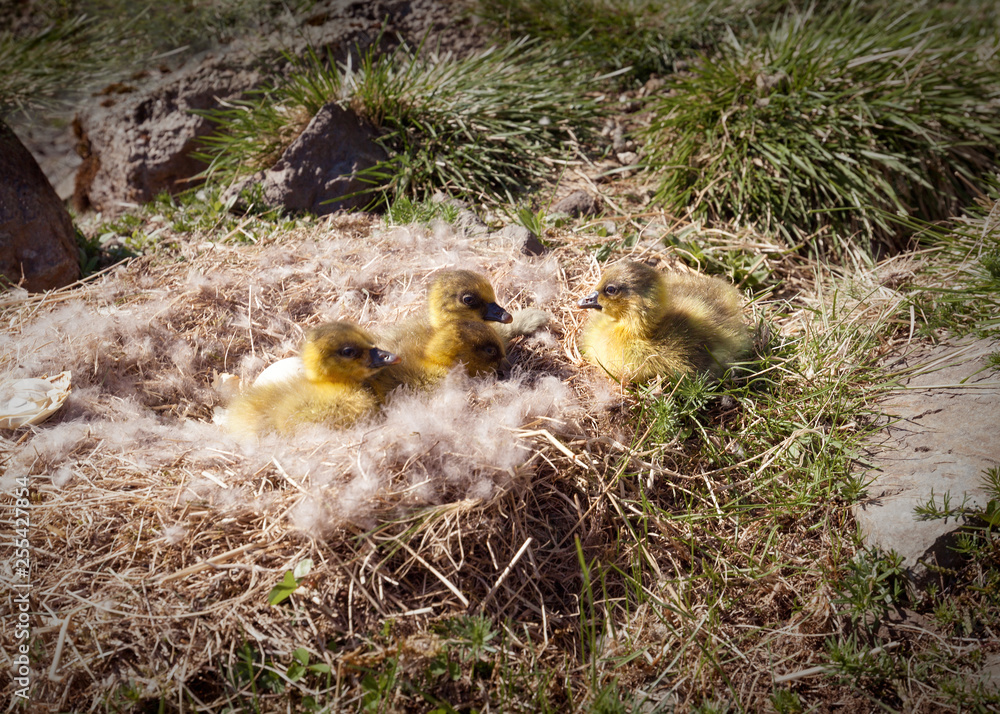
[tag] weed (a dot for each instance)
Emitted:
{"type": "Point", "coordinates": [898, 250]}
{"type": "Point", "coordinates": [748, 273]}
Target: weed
{"type": "Point", "coordinates": [472, 638]}
{"type": "Point", "coordinates": [404, 211]}
{"type": "Point", "coordinates": [748, 265]}
{"type": "Point", "coordinates": [378, 688]}
{"type": "Point", "coordinates": [853, 660]}
{"type": "Point", "coordinates": [785, 701]}
{"type": "Point", "coordinates": [534, 221]}
{"type": "Point", "coordinates": [961, 292]}
{"type": "Point", "coordinates": [605, 250]}
{"type": "Point", "coordinates": [676, 415]}
{"type": "Point", "coordinates": [208, 211]}
{"type": "Point", "coordinates": [290, 582]}
{"type": "Point", "coordinates": [124, 697]}
{"type": "Point", "coordinates": [112, 242]}
{"type": "Point", "coordinates": [873, 584]}
{"type": "Point", "coordinates": [301, 665]}
{"type": "Point", "coordinates": [253, 673]}
{"type": "Point", "coordinates": [38, 66]}
{"type": "Point", "coordinates": [608, 700]}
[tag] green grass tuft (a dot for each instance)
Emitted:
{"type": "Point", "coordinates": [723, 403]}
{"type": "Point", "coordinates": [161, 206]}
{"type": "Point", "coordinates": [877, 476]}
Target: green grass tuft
{"type": "Point", "coordinates": [963, 294]}
{"type": "Point", "coordinates": [828, 121]}
{"type": "Point", "coordinates": [39, 66]}
{"type": "Point", "coordinates": [643, 37]}
{"type": "Point", "coordinates": [404, 211]}
{"type": "Point", "coordinates": [483, 128]}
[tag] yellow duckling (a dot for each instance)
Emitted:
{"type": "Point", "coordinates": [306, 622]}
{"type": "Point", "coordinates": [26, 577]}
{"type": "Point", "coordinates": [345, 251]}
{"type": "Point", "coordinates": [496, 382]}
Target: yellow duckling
{"type": "Point", "coordinates": [459, 295]}
{"type": "Point", "coordinates": [465, 295]}
{"type": "Point", "coordinates": [647, 323]}
{"type": "Point", "coordinates": [336, 359]}
{"type": "Point", "coordinates": [468, 342]}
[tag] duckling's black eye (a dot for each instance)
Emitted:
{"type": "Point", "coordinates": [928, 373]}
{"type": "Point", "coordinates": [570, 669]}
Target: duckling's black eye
{"type": "Point", "coordinates": [490, 350]}
{"type": "Point", "coordinates": [610, 289]}
{"type": "Point", "coordinates": [470, 300]}
{"type": "Point", "coordinates": [348, 352]}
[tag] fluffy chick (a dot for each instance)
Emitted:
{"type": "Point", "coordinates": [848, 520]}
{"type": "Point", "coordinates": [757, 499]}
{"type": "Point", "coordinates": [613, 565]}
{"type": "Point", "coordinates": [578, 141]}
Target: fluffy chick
{"type": "Point", "coordinates": [456, 296]}
{"type": "Point", "coordinates": [647, 323]}
{"type": "Point", "coordinates": [465, 295]}
{"type": "Point", "coordinates": [468, 342]}
{"type": "Point", "coordinates": [337, 358]}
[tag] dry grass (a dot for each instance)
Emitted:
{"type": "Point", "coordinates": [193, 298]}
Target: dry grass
{"type": "Point", "coordinates": [157, 537]}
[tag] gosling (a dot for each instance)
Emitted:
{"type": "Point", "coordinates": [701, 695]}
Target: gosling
{"type": "Point", "coordinates": [337, 358]}
{"type": "Point", "coordinates": [462, 295]}
{"type": "Point", "coordinates": [457, 295]}
{"type": "Point", "coordinates": [647, 323]}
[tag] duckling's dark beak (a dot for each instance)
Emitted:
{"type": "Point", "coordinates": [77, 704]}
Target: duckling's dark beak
{"type": "Point", "coordinates": [590, 301]}
{"type": "Point", "coordinates": [497, 314]}
{"type": "Point", "coordinates": [380, 358]}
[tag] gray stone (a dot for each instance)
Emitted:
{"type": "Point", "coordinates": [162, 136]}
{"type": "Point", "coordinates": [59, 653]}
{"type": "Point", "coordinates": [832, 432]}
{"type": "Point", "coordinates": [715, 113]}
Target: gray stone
{"type": "Point", "coordinates": [578, 203]}
{"type": "Point", "coordinates": [989, 675]}
{"type": "Point", "coordinates": [37, 239]}
{"type": "Point", "coordinates": [943, 436]}
{"type": "Point", "coordinates": [527, 242]}
{"type": "Point", "coordinates": [139, 143]}
{"type": "Point", "coordinates": [627, 158]}
{"type": "Point", "coordinates": [321, 165]}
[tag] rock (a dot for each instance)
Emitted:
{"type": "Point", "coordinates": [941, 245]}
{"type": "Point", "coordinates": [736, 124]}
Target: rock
{"type": "Point", "coordinates": [942, 438]}
{"type": "Point", "coordinates": [627, 158]}
{"type": "Point", "coordinates": [578, 203]}
{"type": "Point", "coordinates": [140, 143]}
{"type": "Point", "coordinates": [53, 145]}
{"type": "Point", "coordinates": [321, 165]}
{"type": "Point", "coordinates": [526, 240]}
{"type": "Point", "coordinates": [989, 675]}
{"type": "Point", "coordinates": [37, 239]}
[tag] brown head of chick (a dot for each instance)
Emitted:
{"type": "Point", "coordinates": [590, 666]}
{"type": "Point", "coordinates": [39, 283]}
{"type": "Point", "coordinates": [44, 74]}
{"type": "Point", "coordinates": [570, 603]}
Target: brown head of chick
{"type": "Point", "coordinates": [647, 323]}
{"type": "Point", "coordinates": [470, 343]}
{"type": "Point", "coordinates": [337, 358]}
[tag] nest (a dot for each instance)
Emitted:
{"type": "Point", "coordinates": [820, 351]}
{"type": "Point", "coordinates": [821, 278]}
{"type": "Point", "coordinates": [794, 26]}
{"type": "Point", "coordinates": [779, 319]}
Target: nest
{"type": "Point", "coordinates": [157, 537]}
